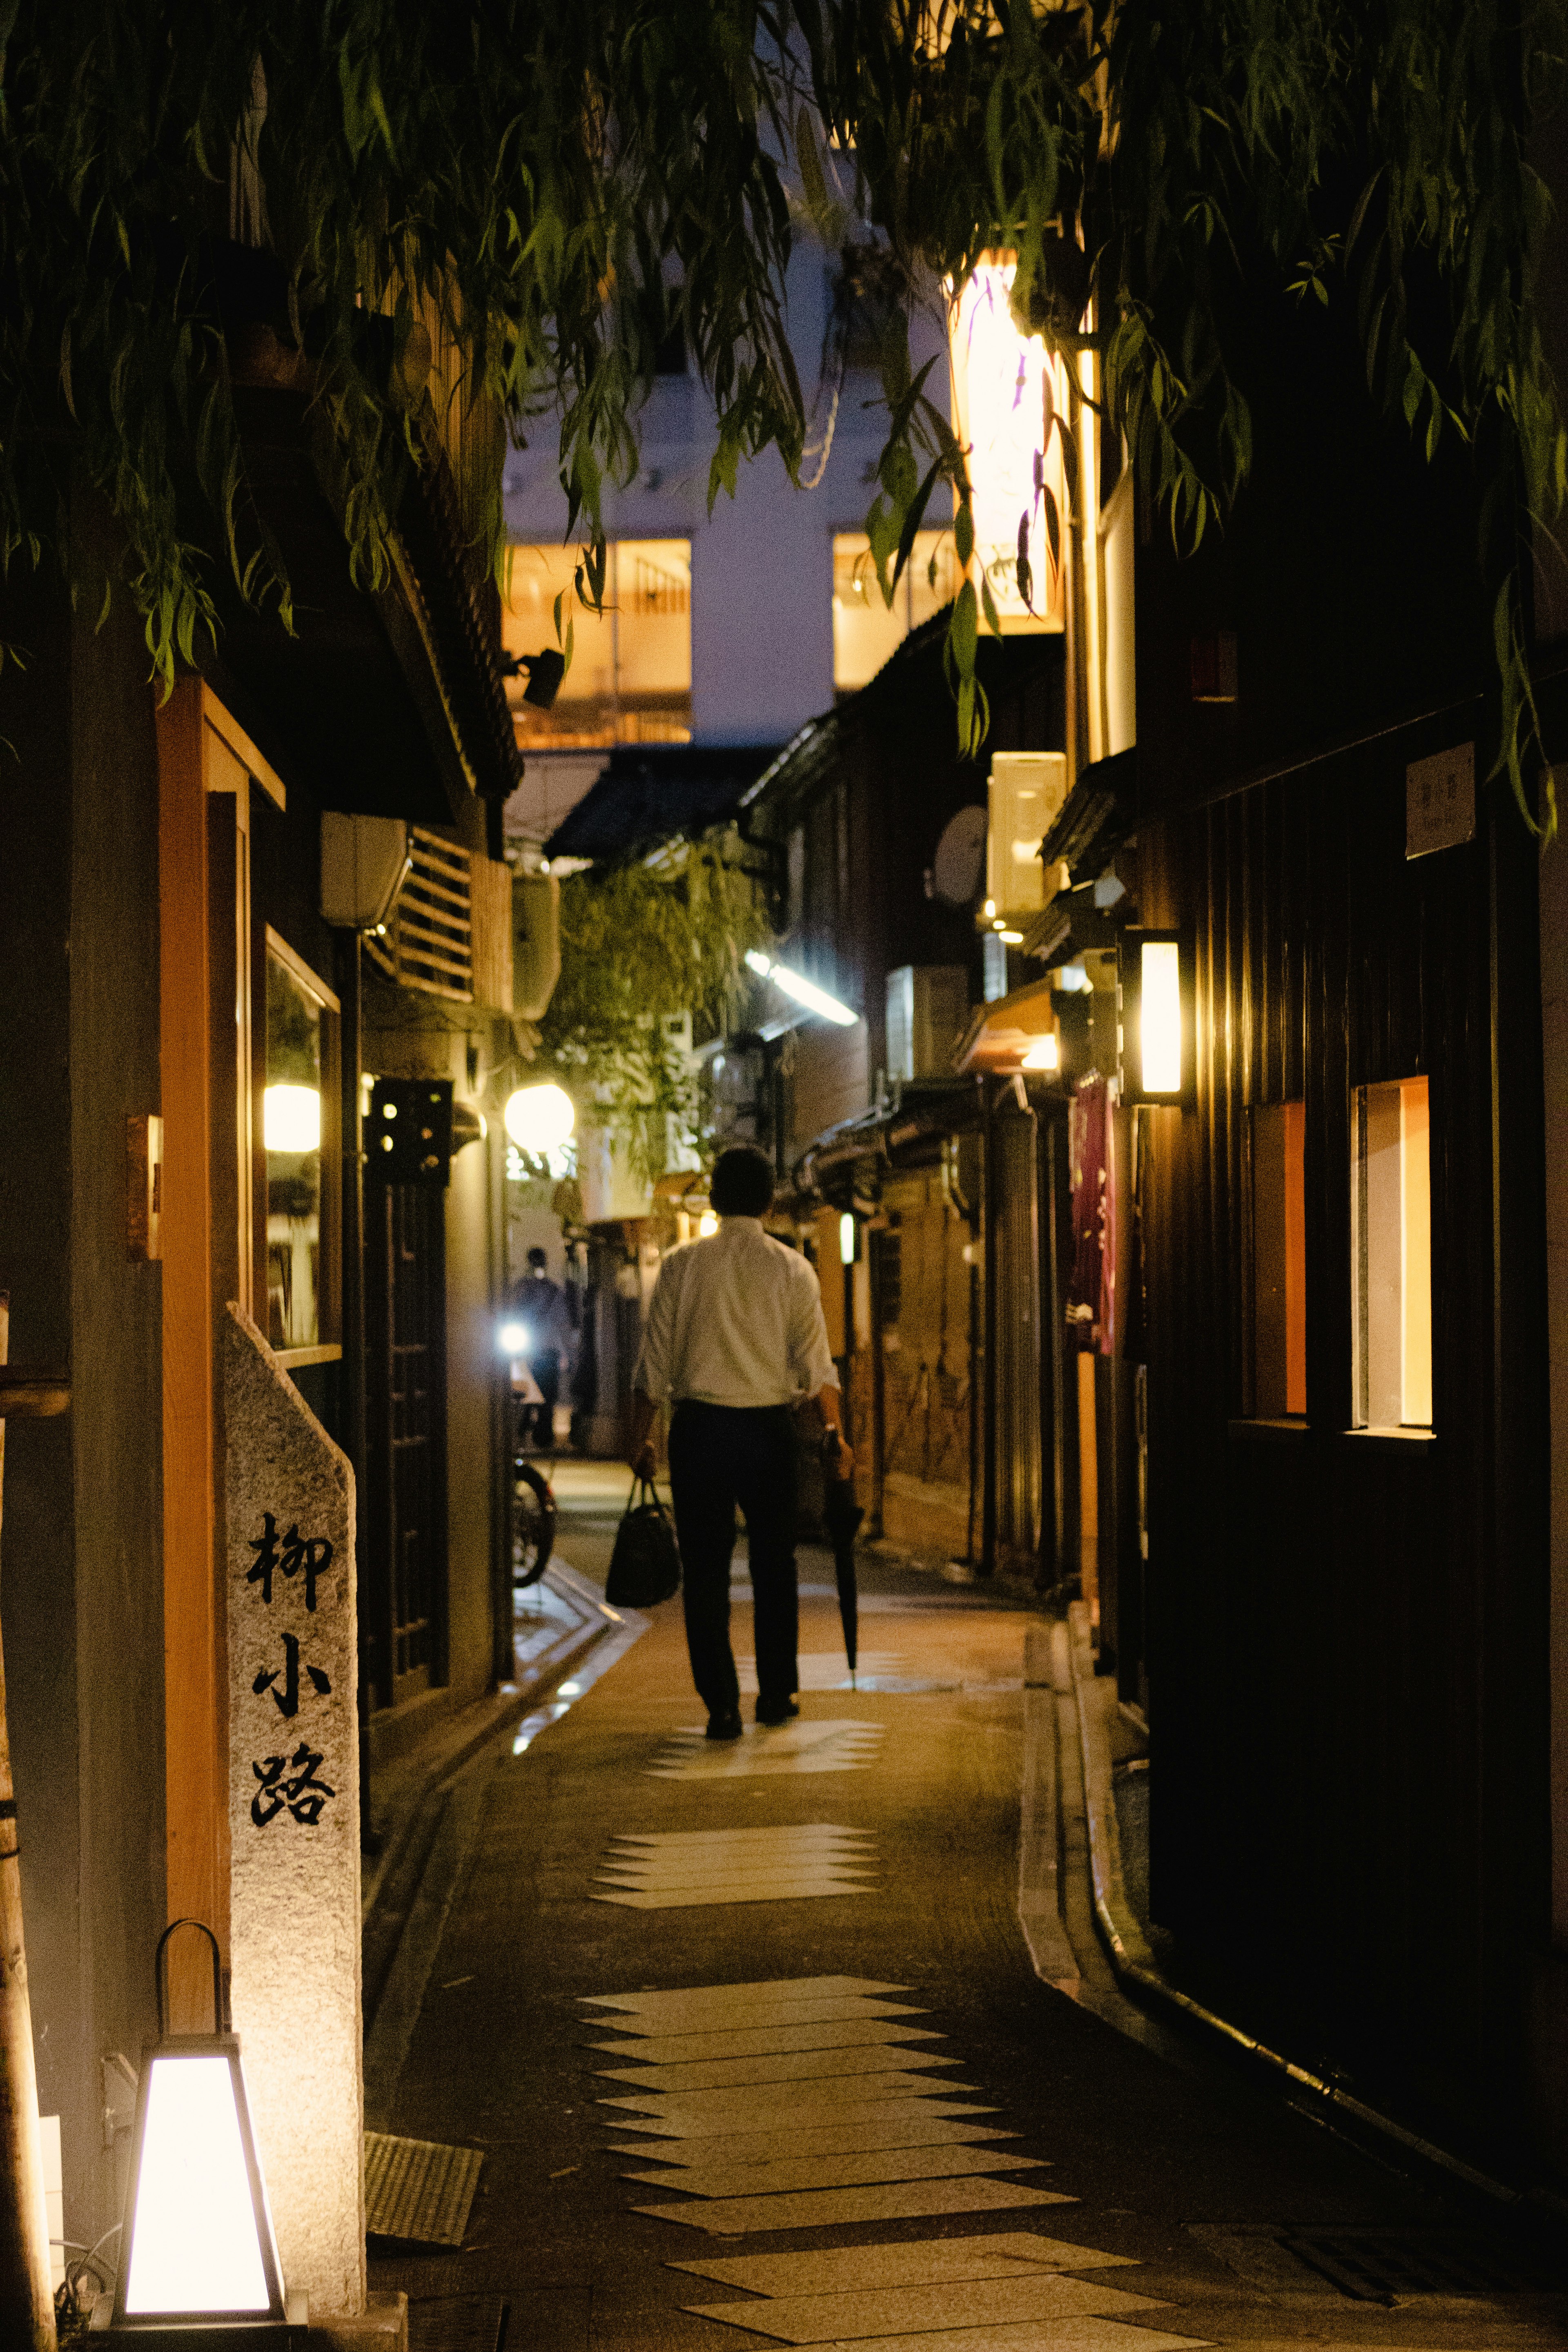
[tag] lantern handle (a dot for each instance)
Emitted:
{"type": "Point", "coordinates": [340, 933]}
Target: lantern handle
{"type": "Point", "coordinates": [161, 1977]}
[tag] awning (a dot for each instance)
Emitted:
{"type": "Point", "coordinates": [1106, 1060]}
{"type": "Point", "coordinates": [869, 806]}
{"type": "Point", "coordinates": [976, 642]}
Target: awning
{"type": "Point", "coordinates": [1069, 924]}
{"type": "Point", "coordinates": [387, 701]}
{"type": "Point", "coordinates": [653, 793]}
{"type": "Point", "coordinates": [929, 1106]}
{"type": "Point", "coordinates": [1096, 817]}
{"type": "Point", "coordinates": [1001, 1033]}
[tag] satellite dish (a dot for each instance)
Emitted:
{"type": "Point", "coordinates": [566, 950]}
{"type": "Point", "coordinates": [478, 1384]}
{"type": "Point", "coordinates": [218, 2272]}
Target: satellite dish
{"type": "Point", "coordinates": [959, 859]}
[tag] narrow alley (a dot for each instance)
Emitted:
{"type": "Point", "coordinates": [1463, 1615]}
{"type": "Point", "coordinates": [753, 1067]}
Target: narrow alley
{"type": "Point", "coordinates": [750, 2046]}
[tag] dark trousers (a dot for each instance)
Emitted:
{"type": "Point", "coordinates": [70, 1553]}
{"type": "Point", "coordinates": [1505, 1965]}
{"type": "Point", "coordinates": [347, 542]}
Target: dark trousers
{"type": "Point", "coordinates": [722, 1456]}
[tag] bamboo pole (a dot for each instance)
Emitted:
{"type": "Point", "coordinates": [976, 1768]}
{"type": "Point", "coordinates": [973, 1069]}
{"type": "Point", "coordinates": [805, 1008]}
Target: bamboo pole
{"type": "Point", "coordinates": [27, 2298]}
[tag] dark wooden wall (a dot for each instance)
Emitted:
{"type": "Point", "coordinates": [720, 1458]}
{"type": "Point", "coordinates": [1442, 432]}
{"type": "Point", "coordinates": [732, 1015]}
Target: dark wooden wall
{"type": "Point", "coordinates": [1348, 1634]}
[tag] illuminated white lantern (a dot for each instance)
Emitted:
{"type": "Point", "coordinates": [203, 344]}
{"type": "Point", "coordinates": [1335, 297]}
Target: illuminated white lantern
{"type": "Point", "coordinates": [292, 1119]}
{"type": "Point", "coordinates": [540, 1119]}
{"type": "Point", "coordinates": [199, 2251]}
{"type": "Point", "coordinates": [1156, 990]}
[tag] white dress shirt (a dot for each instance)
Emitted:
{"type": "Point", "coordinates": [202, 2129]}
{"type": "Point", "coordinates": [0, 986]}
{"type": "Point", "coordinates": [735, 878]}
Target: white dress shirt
{"type": "Point", "coordinates": [735, 1320]}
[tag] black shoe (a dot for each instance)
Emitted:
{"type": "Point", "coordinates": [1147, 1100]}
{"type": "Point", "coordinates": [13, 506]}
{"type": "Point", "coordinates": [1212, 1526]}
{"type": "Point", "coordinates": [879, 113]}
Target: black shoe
{"type": "Point", "coordinates": [725, 1724]}
{"type": "Point", "coordinates": [777, 1710]}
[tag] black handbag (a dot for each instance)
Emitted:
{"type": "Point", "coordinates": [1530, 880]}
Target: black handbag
{"type": "Point", "coordinates": [644, 1567]}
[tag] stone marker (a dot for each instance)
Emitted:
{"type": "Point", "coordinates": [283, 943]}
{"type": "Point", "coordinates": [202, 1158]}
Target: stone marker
{"type": "Point", "coordinates": [293, 1811]}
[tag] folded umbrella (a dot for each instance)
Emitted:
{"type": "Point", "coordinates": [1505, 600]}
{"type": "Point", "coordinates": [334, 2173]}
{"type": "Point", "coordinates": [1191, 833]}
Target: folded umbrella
{"type": "Point", "coordinates": [842, 1515]}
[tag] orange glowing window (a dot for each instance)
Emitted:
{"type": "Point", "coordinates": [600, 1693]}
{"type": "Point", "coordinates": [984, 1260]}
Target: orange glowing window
{"type": "Point", "coordinates": [1391, 1255]}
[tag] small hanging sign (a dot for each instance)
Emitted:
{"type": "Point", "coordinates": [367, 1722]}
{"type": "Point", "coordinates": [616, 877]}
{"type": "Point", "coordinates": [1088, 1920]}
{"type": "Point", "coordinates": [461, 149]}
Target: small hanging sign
{"type": "Point", "coordinates": [1440, 801]}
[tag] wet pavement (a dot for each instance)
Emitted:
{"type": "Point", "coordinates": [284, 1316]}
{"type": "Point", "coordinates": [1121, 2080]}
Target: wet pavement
{"type": "Point", "coordinates": [751, 2044]}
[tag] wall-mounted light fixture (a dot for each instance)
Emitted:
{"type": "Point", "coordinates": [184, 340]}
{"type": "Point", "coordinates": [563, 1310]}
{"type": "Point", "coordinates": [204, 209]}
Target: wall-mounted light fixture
{"type": "Point", "coordinates": [1045, 1053]}
{"type": "Point", "coordinates": [805, 992]}
{"type": "Point", "coordinates": [1156, 999]}
{"type": "Point", "coordinates": [848, 1238]}
{"type": "Point", "coordinates": [540, 1119]}
{"type": "Point", "coordinates": [292, 1119]}
{"type": "Point", "coordinates": [364, 864]}
{"type": "Point", "coordinates": [200, 2261]}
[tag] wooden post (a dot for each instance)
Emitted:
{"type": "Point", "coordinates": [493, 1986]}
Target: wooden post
{"type": "Point", "coordinates": [876, 1279]}
{"type": "Point", "coordinates": [27, 2298]}
{"type": "Point", "coordinates": [196, 1675]}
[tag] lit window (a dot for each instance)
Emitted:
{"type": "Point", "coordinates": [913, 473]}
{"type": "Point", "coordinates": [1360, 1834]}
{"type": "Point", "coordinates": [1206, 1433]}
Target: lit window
{"type": "Point", "coordinates": [630, 676]}
{"type": "Point", "coordinates": [297, 1122]}
{"type": "Point", "coordinates": [1391, 1255]}
{"type": "Point", "coordinates": [1279, 1260]}
{"type": "Point", "coordinates": [866, 631]}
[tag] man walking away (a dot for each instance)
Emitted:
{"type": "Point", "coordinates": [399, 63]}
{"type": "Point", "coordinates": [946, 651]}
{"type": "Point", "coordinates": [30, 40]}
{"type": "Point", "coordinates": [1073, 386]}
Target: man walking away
{"type": "Point", "coordinates": [540, 1307]}
{"type": "Point", "coordinates": [734, 1342]}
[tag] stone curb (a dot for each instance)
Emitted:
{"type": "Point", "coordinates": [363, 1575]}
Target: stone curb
{"type": "Point", "coordinates": [1139, 1971]}
{"type": "Point", "coordinates": [467, 1733]}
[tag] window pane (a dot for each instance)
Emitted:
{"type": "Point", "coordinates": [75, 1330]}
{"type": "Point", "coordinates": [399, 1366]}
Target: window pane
{"type": "Point", "coordinates": [866, 631]}
{"type": "Point", "coordinates": [1279, 1260]}
{"type": "Point", "coordinates": [630, 679]}
{"type": "Point", "coordinates": [292, 1120]}
{"type": "Point", "coordinates": [1391, 1200]}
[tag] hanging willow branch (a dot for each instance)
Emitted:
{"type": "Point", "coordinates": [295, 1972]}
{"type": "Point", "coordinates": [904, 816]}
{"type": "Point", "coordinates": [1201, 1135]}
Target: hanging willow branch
{"type": "Point", "coordinates": [548, 191]}
{"type": "Point", "coordinates": [1156, 169]}
{"type": "Point", "coordinates": [642, 943]}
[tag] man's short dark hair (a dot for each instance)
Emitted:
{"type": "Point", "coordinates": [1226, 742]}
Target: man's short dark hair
{"type": "Point", "coordinates": [743, 1182]}
{"type": "Point", "coordinates": [537, 1257]}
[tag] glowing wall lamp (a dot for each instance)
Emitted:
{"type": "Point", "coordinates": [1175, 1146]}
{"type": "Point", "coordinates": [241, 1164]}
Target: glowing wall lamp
{"type": "Point", "coordinates": [805, 992]}
{"type": "Point", "coordinates": [1045, 1053]}
{"type": "Point", "coordinates": [848, 1238]}
{"type": "Point", "coordinates": [540, 1119]}
{"type": "Point", "coordinates": [199, 2268]}
{"type": "Point", "coordinates": [292, 1119]}
{"type": "Point", "coordinates": [1155, 992]}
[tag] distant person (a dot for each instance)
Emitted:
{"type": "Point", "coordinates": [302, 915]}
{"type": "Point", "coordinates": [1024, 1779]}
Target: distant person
{"type": "Point", "coordinates": [541, 1306]}
{"type": "Point", "coordinates": [734, 1342]}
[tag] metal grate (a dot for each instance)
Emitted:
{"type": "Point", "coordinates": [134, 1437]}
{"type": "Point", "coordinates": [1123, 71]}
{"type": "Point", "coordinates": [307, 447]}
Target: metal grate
{"type": "Point", "coordinates": [1379, 2266]}
{"type": "Point", "coordinates": [1314, 2267]}
{"type": "Point", "coordinates": [428, 939]}
{"type": "Point", "coordinates": [416, 2190]}
{"type": "Point", "coordinates": [456, 2323]}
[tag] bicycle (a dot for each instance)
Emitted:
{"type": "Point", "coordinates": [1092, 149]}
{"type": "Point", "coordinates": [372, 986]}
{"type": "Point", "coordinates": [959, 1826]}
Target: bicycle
{"type": "Point", "coordinates": [535, 1513]}
{"type": "Point", "coordinates": [534, 1527]}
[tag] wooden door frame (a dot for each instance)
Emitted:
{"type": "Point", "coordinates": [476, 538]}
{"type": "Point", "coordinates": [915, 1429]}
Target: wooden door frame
{"type": "Point", "coordinates": [202, 756]}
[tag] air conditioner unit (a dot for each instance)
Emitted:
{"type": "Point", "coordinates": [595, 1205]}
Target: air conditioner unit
{"type": "Point", "coordinates": [1027, 789]}
{"type": "Point", "coordinates": [928, 1009]}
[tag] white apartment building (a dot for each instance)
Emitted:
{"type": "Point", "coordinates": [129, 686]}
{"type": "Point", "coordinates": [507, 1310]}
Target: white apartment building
{"type": "Point", "coordinates": [725, 629]}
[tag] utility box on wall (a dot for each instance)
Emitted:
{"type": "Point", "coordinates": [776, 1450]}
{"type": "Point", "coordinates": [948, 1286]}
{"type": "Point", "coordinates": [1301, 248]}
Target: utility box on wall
{"type": "Point", "coordinates": [535, 943]}
{"type": "Point", "coordinates": [364, 862]}
{"type": "Point", "coordinates": [928, 1007]}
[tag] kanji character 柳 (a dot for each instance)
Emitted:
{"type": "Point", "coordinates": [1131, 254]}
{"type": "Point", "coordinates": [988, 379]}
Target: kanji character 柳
{"type": "Point", "coordinates": [310, 1553]}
